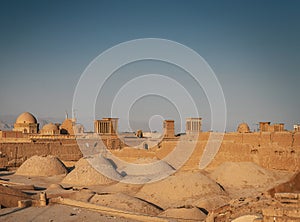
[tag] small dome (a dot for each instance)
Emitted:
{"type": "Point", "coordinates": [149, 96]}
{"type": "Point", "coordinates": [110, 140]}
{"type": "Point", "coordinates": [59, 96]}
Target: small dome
{"type": "Point", "coordinates": [243, 128]}
{"type": "Point", "coordinates": [26, 118]}
{"type": "Point", "coordinates": [50, 127]}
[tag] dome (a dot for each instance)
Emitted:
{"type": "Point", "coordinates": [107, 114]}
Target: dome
{"type": "Point", "coordinates": [42, 166]}
{"type": "Point", "coordinates": [243, 128]}
{"type": "Point", "coordinates": [26, 118]}
{"type": "Point", "coordinates": [50, 127]}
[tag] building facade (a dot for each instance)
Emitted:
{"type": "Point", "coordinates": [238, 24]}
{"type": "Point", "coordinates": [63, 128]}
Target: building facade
{"type": "Point", "coordinates": [50, 129]}
{"type": "Point", "coordinates": [108, 126]}
{"type": "Point", "coordinates": [193, 125]}
{"type": "Point", "coordinates": [267, 127]}
{"type": "Point", "coordinates": [26, 123]}
{"type": "Point", "coordinates": [169, 129]}
{"type": "Point", "coordinates": [297, 127]}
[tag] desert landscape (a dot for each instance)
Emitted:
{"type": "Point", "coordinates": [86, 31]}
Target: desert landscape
{"type": "Point", "coordinates": [161, 110]}
{"type": "Point", "coordinates": [253, 177]}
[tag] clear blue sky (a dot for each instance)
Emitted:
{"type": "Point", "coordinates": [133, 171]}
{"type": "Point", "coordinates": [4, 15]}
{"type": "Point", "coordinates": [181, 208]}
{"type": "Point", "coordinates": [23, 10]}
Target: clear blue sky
{"type": "Point", "coordinates": [253, 47]}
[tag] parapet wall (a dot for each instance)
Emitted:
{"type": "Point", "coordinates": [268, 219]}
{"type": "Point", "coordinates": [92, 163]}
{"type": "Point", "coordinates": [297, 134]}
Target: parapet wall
{"type": "Point", "coordinates": [13, 154]}
{"type": "Point", "coordinates": [284, 139]}
{"type": "Point", "coordinates": [276, 150]}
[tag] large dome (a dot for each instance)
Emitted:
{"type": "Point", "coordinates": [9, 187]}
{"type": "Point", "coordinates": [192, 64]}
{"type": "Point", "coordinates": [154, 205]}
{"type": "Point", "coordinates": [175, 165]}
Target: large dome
{"type": "Point", "coordinates": [50, 127]}
{"type": "Point", "coordinates": [243, 128]}
{"type": "Point", "coordinates": [26, 118]}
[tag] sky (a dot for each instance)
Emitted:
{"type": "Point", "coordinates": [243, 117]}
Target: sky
{"type": "Point", "coordinates": [253, 47]}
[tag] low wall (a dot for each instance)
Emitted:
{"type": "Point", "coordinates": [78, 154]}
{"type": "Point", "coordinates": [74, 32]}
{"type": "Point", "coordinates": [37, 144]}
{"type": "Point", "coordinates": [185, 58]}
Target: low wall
{"type": "Point", "coordinates": [13, 154]}
{"type": "Point", "coordinates": [277, 150]}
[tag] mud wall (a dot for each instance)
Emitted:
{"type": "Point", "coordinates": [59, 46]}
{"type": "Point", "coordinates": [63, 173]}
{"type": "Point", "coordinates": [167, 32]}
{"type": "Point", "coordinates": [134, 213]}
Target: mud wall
{"type": "Point", "coordinates": [276, 150]}
{"type": "Point", "coordinates": [14, 154]}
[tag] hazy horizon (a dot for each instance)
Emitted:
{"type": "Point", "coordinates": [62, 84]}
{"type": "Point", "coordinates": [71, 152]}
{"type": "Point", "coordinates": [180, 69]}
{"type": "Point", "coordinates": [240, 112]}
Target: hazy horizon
{"type": "Point", "coordinates": [252, 46]}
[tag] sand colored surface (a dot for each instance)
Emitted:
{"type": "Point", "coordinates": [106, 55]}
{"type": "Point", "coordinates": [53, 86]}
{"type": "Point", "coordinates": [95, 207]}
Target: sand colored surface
{"type": "Point", "coordinates": [57, 213]}
{"type": "Point", "coordinates": [141, 170]}
{"type": "Point", "coordinates": [212, 202]}
{"type": "Point", "coordinates": [56, 190]}
{"type": "Point", "coordinates": [84, 174]}
{"type": "Point", "coordinates": [129, 179]}
{"type": "Point", "coordinates": [9, 196]}
{"type": "Point", "coordinates": [129, 189]}
{"type": "Point", "coordinates": [246, 218]}
{"type": "Point", "coordinates": [55, 186]}
{"type": "Point", "coordinates": [242, 175]}
{"type": "Point", "coordinates": [82, 195]}
{"type": "Point", "coordinates": [291, 186]}
{"type": "Point", "coordinates": [148, 168]}
{"type": "Point", "coordinates": [146, 160]}
{"type": "Point", "coordinates": [124, 202]}
{"type": "Point", "coordinates": [42, 166]}
{"type": "Point", "coordinates": [184, 214]}
{"type": "Point", "coordinates": [179, 189]}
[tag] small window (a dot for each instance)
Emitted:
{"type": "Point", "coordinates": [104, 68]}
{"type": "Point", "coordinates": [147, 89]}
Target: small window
{"type": "Point", "coordinates": [145, 146]}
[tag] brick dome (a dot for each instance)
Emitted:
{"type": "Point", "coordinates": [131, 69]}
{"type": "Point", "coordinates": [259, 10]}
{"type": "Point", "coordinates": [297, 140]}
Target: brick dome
{"type": "Point", "coordinates": [243, 128]}
{"type": "Point", "coordinates": [26, 118]}
{"type": "Point", "coordinates": [50, 127]}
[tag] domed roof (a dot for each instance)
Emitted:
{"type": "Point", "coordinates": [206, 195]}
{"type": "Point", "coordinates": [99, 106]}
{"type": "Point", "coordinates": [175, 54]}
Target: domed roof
{"type": "Point", "coordinates": [243, 128]}
{"type": "Point", "coordinates": [26, 118]}
{"type": "Point", "coordinates": [50, 127]}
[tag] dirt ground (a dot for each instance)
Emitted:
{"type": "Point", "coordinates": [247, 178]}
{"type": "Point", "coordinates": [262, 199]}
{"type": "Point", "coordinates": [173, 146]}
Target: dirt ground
{"type": "Point", "coordinates": [184, 196]}
{"type": "Point", "coordinates": [54, 213]}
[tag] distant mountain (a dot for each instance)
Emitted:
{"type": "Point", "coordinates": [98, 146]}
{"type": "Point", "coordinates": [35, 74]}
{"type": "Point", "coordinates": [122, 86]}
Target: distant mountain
{"type": "Point", "coordinates": [46, 120]}
{"type": "Point", "coordinates": [5, 126]}
{"type": "Point", "coordinates": [7, 121]}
